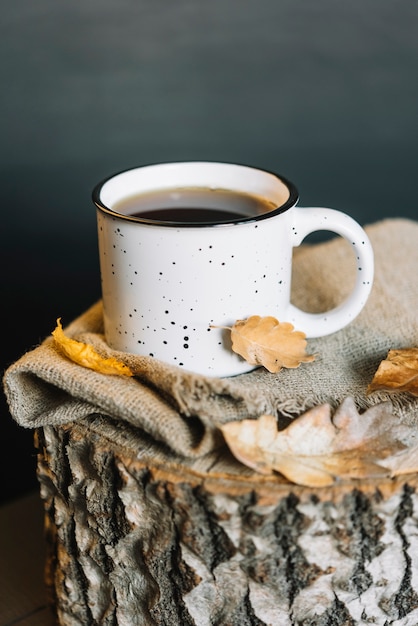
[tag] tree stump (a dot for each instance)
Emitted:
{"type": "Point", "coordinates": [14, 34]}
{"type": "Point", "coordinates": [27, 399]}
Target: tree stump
{"type": "Point", "coordinates": [132, 541]}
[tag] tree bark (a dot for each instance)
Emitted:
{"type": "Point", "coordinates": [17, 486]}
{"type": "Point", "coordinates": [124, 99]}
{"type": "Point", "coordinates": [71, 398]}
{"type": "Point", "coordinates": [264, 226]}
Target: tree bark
{"type": "Point", "coordinates": [131, 542]}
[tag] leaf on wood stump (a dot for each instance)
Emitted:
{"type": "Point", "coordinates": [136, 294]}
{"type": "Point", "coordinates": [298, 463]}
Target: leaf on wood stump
{"type": "Point", "coordinates": [266, 341]}
{"type": "Point", "coordinates": [85, 355]}
{"type": "Point", "coordinates": [398, 372]}
{"type": "Point", "coordinates": [318, 449]}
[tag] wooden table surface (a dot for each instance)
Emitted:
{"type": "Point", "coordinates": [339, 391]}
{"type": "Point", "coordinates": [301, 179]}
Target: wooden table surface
{"type": "Point", "coordinates": [22, 556]}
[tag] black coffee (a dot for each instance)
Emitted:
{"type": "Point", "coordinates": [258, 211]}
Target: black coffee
{"type": "Point", "coordinates": [194, 205]}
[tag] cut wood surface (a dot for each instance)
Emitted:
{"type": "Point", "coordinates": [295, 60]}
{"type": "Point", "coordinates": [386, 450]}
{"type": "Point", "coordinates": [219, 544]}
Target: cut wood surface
{"type": "Point", "coordinates": [133, 542]}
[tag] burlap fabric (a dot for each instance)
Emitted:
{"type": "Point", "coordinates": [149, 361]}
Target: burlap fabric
{"type": "Point", "coordinates": [177, 411]}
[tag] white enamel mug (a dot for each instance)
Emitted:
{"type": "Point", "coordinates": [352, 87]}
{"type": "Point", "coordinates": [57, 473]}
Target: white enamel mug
{"type": "Point", "coordinates": [167, 285]}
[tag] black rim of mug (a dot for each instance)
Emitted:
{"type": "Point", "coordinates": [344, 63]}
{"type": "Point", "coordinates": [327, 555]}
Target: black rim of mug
{"type": "Point", "coordinates": [290, 202]}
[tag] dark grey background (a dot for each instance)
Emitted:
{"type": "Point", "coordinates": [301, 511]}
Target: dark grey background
{"type": "Point", "coordinates": [324, 92]}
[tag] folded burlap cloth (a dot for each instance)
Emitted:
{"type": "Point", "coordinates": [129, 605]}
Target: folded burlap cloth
{"type": "Point", "coordinates": [176, 412]}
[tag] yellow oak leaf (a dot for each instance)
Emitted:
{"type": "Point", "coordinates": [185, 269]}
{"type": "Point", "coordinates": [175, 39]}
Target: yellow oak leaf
{"type": "Point", "coordinates": [398, 372]}
{"type": "Point", "coordinates": [317, 449]}
{"type": "Point", "coordinates": [85, 355]}
{"type": "Point", "coordinates": [266, 341]}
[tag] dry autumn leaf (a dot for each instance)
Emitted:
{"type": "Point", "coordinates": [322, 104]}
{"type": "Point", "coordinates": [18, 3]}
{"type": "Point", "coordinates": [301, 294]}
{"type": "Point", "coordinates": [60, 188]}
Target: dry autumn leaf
{"type": "Point", "coordinates": [85, 355]}
{"type": "Point", "coordinates": [318, 449]}
{"type": "Point", "coordinates": [268, 342]}
{"type": "Point", "coordinates": [398, 372]}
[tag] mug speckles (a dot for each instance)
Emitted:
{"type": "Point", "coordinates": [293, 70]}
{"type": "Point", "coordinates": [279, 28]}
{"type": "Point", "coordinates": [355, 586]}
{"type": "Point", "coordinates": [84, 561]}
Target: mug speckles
{"type": "Point", "coordinates": [166, 287]}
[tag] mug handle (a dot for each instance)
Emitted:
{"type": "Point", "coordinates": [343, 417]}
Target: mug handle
{"type": "Point", "coordinates": [308, 220]}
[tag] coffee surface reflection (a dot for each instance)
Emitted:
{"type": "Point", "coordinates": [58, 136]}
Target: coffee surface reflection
{"type": "Point", "coordinates": [194, 205]}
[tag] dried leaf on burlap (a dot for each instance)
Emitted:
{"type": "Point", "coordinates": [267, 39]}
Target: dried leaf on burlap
{"type": "Point", "coordinates": [398, 372]}
{"type": "Point", "coordinates": [317, 449]}
{"type": "Point", "coordinates": [85, 355]}
{"type": "Point", "coordinates": [266, 341]}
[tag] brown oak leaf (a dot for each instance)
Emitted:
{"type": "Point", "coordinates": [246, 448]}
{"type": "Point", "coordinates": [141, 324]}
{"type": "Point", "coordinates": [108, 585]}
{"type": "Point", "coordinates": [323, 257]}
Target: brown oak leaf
{"type": "Point", "coordinates": [398, 372]}
{"type": "Point", "coordinates": [268, 342]}
{"type": "Point", "coordinates": [318, 448]}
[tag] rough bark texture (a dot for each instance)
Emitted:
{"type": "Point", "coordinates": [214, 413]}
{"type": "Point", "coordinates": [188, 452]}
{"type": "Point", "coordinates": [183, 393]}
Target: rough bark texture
{"type": "Point", "coordinates": [135, 544]}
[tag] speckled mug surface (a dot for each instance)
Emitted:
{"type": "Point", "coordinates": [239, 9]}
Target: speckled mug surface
{"type": "Point", "coordinates": [167, 285]}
